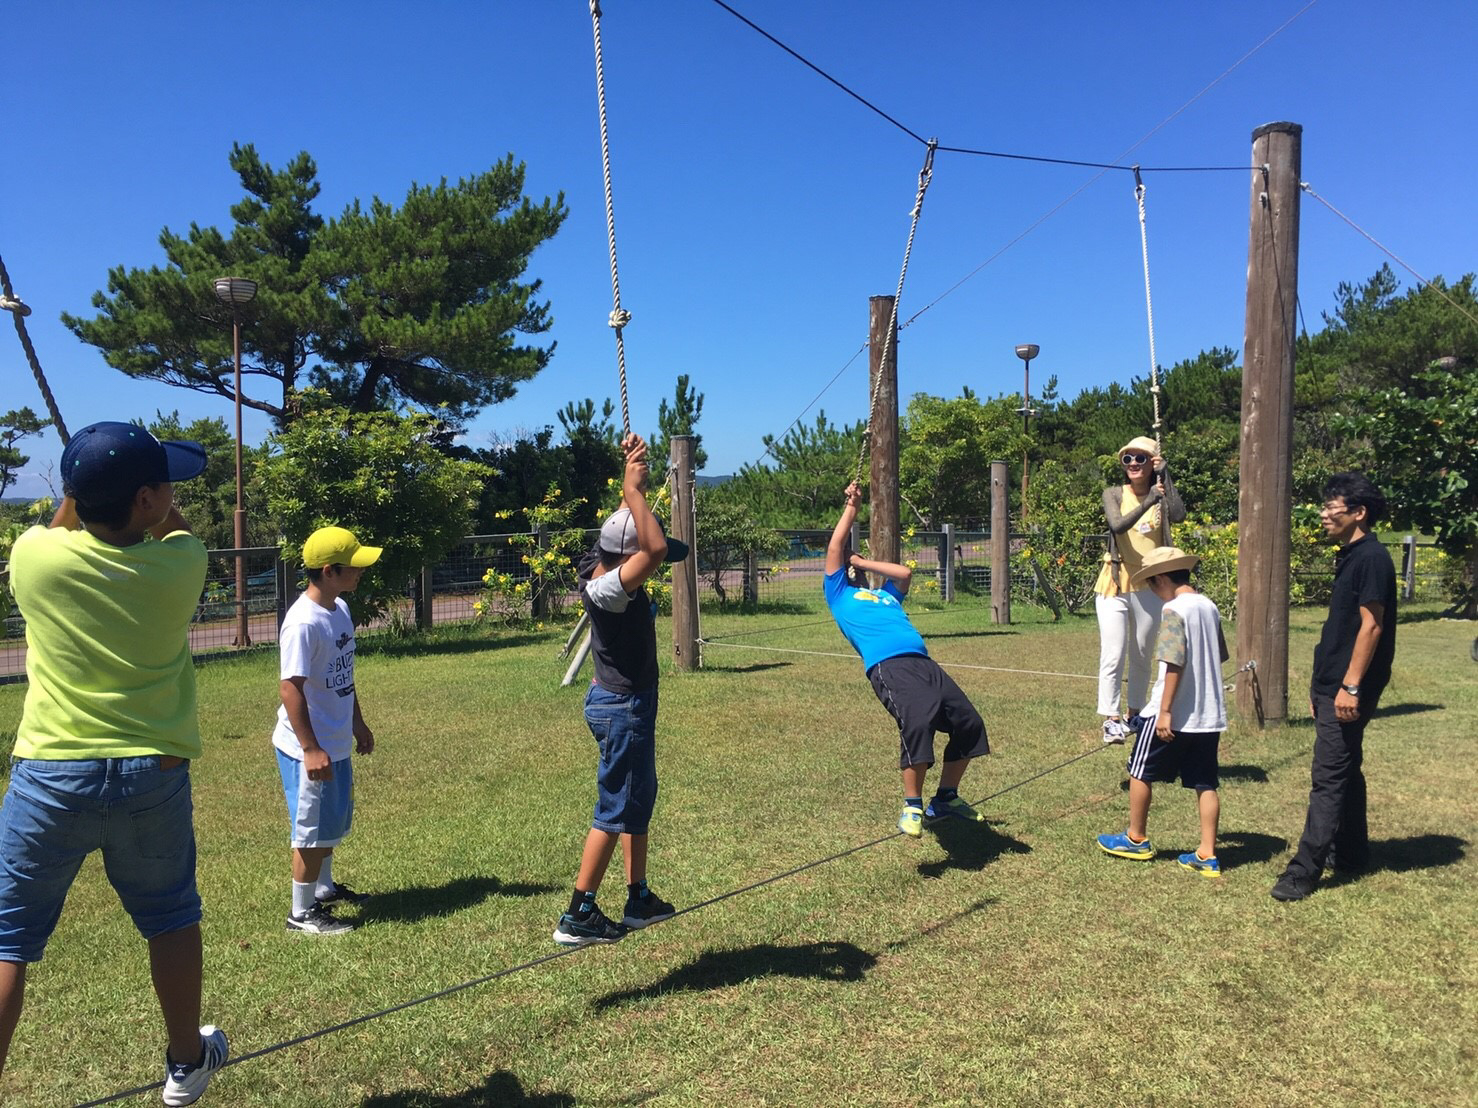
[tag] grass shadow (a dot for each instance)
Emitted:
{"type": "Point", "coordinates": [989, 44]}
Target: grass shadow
{"type": "Point", "coordinates": [971, 634]}
{"type": "Point", "coordinates": [717, 969]}
{"type": "Point", "coordinates": [415, 646]}
{"type": "Point", "coordinates": [424, 902]}
{"type": "Point", "coordinates": [1247, 848]}
{"type": "Point", "coordinates": [943, 924]}
{"type": "Point", "coordinates": [497, 1091]}
{"type": "Point", "coordinates": [1241, 772]}
{"type": "Point", "coordinates": [969, 847]}
{"type": "Point", "coordinates": [1408, 710]}
{"type": "Point", "coordinates": [1416, 852]}
{"type": "Point", "coordinates": [753, 667]}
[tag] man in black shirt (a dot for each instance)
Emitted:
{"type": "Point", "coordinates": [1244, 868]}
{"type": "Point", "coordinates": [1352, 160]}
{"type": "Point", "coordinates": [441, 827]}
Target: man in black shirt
{"type": "Point", "coordinates": [1352, 665]}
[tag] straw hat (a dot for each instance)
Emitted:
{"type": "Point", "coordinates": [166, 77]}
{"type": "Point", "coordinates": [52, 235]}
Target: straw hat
{"type": "Point", "coordinates": [1163, 559]}
{"type": "Point", "coordinates": [1140, 445]}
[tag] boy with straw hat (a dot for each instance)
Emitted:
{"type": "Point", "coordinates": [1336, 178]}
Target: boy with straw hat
{"type": "Point", "coordinates": [1185, 714]}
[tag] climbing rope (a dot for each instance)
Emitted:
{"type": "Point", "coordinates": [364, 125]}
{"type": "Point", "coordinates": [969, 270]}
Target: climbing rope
{"type": "Point", "coordinates": [1149, 304]}
{"type": "Point", "coordinates": [18, 311]}
{"type": "Point", "coordinates": [619, 316]}
{"type": "Point", "coordinates": [925, 175]}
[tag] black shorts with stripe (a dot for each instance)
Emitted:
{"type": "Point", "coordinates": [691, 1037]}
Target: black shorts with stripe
{"type": "Point", "coordinates": [1191, 756]}
{"type": "Point", "coordinates": [924, 699]}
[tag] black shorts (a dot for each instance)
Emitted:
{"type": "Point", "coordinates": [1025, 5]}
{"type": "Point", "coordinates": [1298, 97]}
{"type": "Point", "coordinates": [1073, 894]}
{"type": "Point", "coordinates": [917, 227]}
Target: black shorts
{"type": "Point", "coordinates": [1190, 756]}
{"type": "Point", "coordinates": [924, 699]}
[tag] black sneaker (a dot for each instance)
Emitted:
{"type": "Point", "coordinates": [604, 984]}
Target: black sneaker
{"type": "Point", "coordinates": [319, 920]}
{"type": "Point", "coordinates": [641, 911]}
{"type": "Point", "coordinates": [1292, 887]}
{"type": "Point", "coordinates": [590, 927]}
{"type": "Point", "coordinates": [343, 894]}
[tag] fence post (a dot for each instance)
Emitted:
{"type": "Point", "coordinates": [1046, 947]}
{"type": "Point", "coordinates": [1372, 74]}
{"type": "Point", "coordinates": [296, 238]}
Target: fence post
{"type": "Point", "coordinates": [947, 563]}
{"type": "Point", "coordinates": [685, 573]}
{"type": "Point", "coordinates": [1408, 567]}
{"type": "Point", "coordinates": [283, 584]}
{"type": "Point", "coordinates": [538, 602]}
{"type": "Point", "coordinates": [424, 598]}
{"type": "Point", "coordinates": [751, 578]}
{"type": "Point", "coordinates": [1000, 547]}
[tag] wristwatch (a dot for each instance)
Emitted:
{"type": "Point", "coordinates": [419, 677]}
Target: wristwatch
{"type": "Point", "coordinates": [1353, 690]}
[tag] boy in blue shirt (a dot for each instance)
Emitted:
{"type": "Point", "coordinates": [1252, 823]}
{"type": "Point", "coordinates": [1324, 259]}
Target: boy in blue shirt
{"type": "Point", "coordinates": [919, 695]}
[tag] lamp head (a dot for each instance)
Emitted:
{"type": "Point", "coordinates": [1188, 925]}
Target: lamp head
{"type": "Point", "coordinates": [1026, 351]}
{"type": "Point", "coordinates": [235, 291]}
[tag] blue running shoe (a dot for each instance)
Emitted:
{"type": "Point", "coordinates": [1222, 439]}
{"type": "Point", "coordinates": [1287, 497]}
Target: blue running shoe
{"type": "Point", "coordinates": [185, 1082]}
{"type": "Point", "coordinates": [952, 809]}
{"type": "Point", "coordinates": [1206, 867]}
{"type": "Point", "coordinates": [592, 927]}
{"type": "Point", "coordinates": [911, 821]}
{"type": "Point", "coordinates": [1122, 846]}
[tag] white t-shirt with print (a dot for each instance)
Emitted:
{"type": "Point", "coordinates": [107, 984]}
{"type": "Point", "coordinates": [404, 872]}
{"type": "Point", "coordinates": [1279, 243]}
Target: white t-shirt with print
{"type": "Point", "coordinates": [1189, 638]}
{"type": "Point", "coordinates": [318, 644]}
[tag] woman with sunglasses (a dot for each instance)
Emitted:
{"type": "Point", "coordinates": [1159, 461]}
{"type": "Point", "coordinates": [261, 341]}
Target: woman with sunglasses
{"type": "Point", "coordinates": [1139, 514]}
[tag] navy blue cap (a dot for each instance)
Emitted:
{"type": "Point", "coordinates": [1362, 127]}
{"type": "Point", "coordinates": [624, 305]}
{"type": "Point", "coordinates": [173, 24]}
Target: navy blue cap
{"type": "Point", "coordinates": [110, 461]}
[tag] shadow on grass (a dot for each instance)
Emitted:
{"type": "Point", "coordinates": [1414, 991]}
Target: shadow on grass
{"type": "Point", "coordinates": [969, 847]}
{"type": "Point", "coordinates": [716, 969]}
{"type": "Point", "coordinates": [1246, 848]}
{"type": "Point", "coordinates": [1408, 710]}
{"type": "Point", "coordinates": [753, 667]}
{"type": "Point", "coordinates": [940, 925]}
{"type": "Point", "coordinates": [424, 902]}
{"type": "Point", "coordinates": [1241, 772]}
{"type": "Point", "coordinates": [500, 1089]}
{"type": "Point", "coordinates": [971, 634]}
{"type": "Point", "coordinates": [1416, 852]}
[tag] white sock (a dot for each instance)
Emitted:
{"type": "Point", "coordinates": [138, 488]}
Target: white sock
{"type": "Point", "coordinates": [326, 878]}
{"type": "Point", "coordinates": [302, 897]}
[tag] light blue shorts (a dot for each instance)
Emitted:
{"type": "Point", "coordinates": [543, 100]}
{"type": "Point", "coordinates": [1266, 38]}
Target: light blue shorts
{"type": "Point", "coordinates": [56, 813]}
{"type": "Point", "coordinates": [321, 812]}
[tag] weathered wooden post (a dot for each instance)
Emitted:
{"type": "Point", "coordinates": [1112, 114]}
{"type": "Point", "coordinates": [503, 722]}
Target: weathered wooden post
{"type": "Point", "coordinates": [1000, 546]}
{"type": "Point", "coordinates": [1265, 501]}
{"type": "Point", "coordinates": [882, 380]}
{"type": "Point", "coordinates": [684, 573]}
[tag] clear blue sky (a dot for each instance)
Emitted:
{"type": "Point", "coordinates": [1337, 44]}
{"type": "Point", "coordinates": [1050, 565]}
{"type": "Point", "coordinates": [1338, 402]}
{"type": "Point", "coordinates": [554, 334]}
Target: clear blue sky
{"type": "Point", "coordinates": [758, 207]}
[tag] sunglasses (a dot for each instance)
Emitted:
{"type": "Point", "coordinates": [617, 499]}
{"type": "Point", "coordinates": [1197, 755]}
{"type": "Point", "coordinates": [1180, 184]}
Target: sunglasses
{"type": "Point", "coordinates": [1134, 459]}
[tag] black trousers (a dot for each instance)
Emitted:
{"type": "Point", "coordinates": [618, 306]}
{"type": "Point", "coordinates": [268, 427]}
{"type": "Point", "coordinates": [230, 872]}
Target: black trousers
{"type": "Point", "coordinates": [1336, 819]}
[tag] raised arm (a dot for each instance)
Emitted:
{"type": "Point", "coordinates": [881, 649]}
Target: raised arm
{"type": "Point", "coordinates": [901, 576]}
{"type": "Point", "coordinates": [836, 547]}
{"type": "Point", "coordinates": [651, 543]}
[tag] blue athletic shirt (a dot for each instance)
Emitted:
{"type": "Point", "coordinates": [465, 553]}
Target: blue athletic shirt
{"type": "Point", "coordinates": [873, 621]}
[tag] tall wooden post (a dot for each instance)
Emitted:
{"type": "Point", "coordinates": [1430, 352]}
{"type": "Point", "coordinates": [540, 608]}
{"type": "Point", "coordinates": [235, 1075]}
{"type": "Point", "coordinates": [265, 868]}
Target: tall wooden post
{"type": "Point", "coordinates": [882, 379]}
{"type": "Point", "coordinates": [684, 573]}
{"type": "Point", "coordinates": [1265, 501]}
{"type": "Point", "coordinates": [1000, 546]}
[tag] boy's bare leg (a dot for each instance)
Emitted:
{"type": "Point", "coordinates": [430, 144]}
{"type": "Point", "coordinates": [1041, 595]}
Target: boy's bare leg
{"type": "Point", "coordinates": [1208, 804]}
{"type": "Point", "coordinates": [634, 851]}
{"type": "Point", "coordinates": [175, 963]}
{"type": "Point", "coordinates": [952, 773]}
{"type": "Point", "coordinates": [599, 846]}
{"type": "Point", "coordinates": [1139, 809]}
{"type": "Point", "coordinates": [12, 996]}
{"type": "Point", "coordinates": [913, 779]}
{"type": "Point", "coordinates": [308, 861]}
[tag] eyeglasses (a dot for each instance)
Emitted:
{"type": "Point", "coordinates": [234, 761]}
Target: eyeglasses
{"type": "Point", "coordinates": [1134, 459]}
{"type": "Point", "coordinates": [1336, 509]}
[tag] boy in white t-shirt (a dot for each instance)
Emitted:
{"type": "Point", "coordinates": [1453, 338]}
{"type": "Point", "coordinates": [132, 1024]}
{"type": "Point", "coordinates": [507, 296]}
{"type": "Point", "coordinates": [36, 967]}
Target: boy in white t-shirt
{"type": "Point", "coordinates": [319, 724]}
{"type": "Point", "coordinates": [1185, 715]}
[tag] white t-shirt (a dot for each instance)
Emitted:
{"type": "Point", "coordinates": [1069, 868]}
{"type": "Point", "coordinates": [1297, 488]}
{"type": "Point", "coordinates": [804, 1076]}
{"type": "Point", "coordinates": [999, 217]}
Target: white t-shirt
{"type": "Point", "coordinates": [1189, 638]}
{"type": "Point", "coordinates": [318, 644]}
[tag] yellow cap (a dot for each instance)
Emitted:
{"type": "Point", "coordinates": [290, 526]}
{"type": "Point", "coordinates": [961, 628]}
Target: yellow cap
{"type": "Point", "coordinates": [336, 546]}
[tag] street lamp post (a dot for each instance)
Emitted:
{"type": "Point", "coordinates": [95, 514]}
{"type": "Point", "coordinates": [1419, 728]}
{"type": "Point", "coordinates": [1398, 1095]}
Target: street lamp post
{"type": "Point", "coordinates": [234, 292]}
{"type": "Point", "coordinates": [1026, 351]}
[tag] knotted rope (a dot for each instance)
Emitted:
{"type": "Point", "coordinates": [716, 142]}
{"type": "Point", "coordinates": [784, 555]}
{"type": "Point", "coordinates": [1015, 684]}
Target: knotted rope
{"type": "Point", "coordinates": [1149, 304]}
{"type": "Point", "coordinates": [619, 316]}
{"type": "Point", "coordinates": [18, 312]}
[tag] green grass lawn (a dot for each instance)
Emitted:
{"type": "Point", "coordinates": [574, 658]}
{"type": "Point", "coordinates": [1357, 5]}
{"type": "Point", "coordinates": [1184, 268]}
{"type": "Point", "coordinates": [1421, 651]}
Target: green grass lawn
{"type": "Point", "coordinates": [1006, 964]}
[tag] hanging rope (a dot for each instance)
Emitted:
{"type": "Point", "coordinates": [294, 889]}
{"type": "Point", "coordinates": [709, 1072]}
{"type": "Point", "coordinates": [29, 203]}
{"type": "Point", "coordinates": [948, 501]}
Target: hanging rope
{"type": "Point", "coordinates": [1149, 304]}
{"type": "Point", "coordinates": [925, 175]}
{"type": "Point", "coordinates": [18, 312]}
{"type": "Point", "coordinates": [619, 317]}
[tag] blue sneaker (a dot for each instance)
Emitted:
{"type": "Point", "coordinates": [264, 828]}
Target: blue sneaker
{"type": "Point", "coordinates": [591, 927]}
{"type": "Point", "coordinates": [1206, 867]}
{"type": "Point", "coordinates": [911, 821]}
{"type": "Point", "coordinates": [953, 809]}
{"type": "Point", "coordinates": [1122, 846]}
{"type": "Point", "coordinates": [185, 1082]}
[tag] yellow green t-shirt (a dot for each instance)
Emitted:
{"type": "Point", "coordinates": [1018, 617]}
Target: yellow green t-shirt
{"type": "Point", "coordinates": [107, 644]}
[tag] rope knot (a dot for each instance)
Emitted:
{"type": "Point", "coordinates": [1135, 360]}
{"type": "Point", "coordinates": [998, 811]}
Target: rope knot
{"type": "Point", "coordinates": [619, 318]}
{"type": "Point", "coordinates": [16, 305]}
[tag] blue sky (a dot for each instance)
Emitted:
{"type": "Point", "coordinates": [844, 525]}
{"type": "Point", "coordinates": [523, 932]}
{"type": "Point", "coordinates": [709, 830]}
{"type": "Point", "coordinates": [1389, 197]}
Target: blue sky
{"type": "Point", "coordinates": [758, 207]}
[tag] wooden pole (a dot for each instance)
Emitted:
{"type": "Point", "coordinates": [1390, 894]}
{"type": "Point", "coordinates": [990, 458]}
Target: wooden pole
{"type": "Point", "coordinates": [1000, 546]}
{"type": "Point", "coordinates": [1265, 500]}
{"type": "Point", "coordinates": [882, 381]}
{"type": "Point", "coordinates": [684, 573]}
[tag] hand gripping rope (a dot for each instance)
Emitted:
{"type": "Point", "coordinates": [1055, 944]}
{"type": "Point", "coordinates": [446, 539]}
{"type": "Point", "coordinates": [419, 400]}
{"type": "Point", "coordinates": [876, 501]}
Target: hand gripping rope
{"type": "Point", "coordinates": [925, 175]}
{"type": "Point", "coordinates": [619, 317]}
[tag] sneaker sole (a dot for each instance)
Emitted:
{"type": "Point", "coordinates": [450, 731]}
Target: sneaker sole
{"type": "Point", "coordinates": [583, 940]}
{"type": "Point", "coordinates": [636, 923]}
{"type": "Point", "coordinates": [314, 931]}
{"type": "Point", "coordinates": [1202, 871]}
{"type": "Point", "coordinates": [1138, 856]}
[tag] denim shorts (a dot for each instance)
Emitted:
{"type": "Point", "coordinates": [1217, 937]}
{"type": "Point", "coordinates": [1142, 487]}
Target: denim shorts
{"type": "Point", "coordinates": [625, 726]}
{"type": "Point", "coordinates": [58, 812]}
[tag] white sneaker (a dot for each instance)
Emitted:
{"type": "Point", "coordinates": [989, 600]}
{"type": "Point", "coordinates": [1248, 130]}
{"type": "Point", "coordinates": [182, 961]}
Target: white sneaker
{"type": "Point", "coordinates": [319, 920]}
{"type": "Point", "coordinates": [1114, 731]}
{"type": "Point", "coordinates": [184, 1083]}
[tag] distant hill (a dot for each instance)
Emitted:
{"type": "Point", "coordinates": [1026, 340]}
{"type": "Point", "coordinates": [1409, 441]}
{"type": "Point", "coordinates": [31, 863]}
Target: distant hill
{"type": "Point", "coordinates": [704, 482]}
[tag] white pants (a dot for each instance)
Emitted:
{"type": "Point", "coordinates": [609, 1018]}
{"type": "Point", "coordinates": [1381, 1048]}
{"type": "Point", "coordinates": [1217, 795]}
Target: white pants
{"type": "Point", "coordinates": [1132, 620]}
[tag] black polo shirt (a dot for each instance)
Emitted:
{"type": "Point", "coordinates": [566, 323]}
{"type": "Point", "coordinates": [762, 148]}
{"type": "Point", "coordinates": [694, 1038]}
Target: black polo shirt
{"type": "Point", "coordinates": [1363, 574]}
